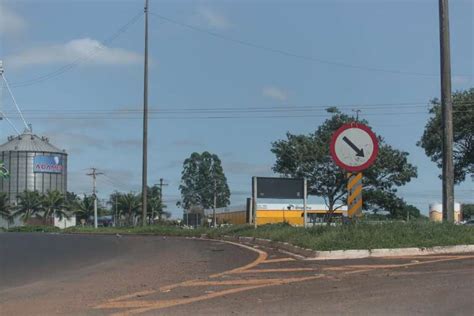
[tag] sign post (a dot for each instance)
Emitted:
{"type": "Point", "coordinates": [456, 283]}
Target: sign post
{"type": "Point", "coordinates": [354, 147]}
{"type": "Point", "coordinates": [305, 202]}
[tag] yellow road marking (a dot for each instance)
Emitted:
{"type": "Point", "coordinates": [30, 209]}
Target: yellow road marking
{"type": "Point", "coordinates": [391, 266]}
{"type": "Point", "coordinates": [262, 256]}
{"type": "Point", "coordinates": [278, 260]}
{"type": "Point", "coordinates": [142, 306]}
{"type": "Point", "coordinates": [277, 270]}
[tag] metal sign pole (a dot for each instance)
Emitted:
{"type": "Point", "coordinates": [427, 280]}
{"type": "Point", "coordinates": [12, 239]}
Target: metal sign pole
{"type": "Point", "coordinates": [305, 194]}
{"type": "Point", "coordinates": [254, 201]}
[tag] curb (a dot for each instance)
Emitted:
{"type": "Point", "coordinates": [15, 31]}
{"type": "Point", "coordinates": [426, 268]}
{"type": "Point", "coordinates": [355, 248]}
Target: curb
{"type": "Point", "coordinates": [310, 254]}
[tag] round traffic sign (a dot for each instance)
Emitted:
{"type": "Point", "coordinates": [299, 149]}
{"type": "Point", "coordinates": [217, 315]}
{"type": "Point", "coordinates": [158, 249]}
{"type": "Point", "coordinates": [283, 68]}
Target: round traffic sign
{"type": "Point", "coordinates": [354, 147]}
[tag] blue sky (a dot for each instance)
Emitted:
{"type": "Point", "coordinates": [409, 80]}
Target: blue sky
{"type": "Point", "coordinates": [290, 58]}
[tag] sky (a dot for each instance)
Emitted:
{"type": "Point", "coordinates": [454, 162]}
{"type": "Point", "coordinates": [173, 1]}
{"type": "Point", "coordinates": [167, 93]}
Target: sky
{"type": "Point", "coordinates": [229, 77]}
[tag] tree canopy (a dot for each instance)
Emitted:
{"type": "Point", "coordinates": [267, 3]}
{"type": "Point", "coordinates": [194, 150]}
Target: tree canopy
{"type": "Point", "coordinates": [463, 122]}
{"type": "Point", "coordinates": [201, 178]}
{"type": "Point", "coordinates": [308, 156]}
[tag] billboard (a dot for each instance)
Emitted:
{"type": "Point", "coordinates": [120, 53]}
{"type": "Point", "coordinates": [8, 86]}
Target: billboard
{"type": "Point", "coordinates": [47, 164]}
{"type": "Point", "coordinates": [279, 188]}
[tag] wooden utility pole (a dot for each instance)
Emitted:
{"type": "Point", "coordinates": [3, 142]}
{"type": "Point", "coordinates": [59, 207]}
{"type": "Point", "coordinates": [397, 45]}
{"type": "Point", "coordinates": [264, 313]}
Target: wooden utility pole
{"type": "Point", "coordinates": [446, 113]}
{"type": "Point", "coordinates": [145, 124]}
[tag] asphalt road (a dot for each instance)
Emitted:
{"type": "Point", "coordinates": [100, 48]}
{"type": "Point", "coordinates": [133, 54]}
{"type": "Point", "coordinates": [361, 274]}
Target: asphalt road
{"type": "Point", "coordinates": [44, 274]}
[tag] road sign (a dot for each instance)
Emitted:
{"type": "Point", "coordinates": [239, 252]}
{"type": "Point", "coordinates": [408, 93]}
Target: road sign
{"type": "Point", "coordinates": [354, 147]}
{"type": "Point", "coordinates": [354, 194]}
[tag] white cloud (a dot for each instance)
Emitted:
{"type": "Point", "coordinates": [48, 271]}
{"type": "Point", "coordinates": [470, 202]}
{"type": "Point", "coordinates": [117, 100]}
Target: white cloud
{"type": "Point", "coordinates": [10, 22]}
{"type": "Point", "coordinates": [213, 19]}
{"type": "Point", "coordinates": [246, 168]}
{"type": "Point", "coordinates": [84, 49]}
{"type": "Point", "coordinates": [458, 80]}
{"type": "Point", "coordinates": [275, 93]}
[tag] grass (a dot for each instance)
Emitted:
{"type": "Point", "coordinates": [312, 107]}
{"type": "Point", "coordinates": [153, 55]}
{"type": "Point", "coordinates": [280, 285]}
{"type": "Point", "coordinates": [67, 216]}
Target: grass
{"type": "Point", "coordinates": [355, 236]}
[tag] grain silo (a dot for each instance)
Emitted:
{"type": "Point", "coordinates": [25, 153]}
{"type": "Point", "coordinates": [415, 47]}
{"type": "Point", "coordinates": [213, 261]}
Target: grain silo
{"type": "Point", "coordinates": [33, 164]}
{"type": "Point", "coordinates": [436, 212]}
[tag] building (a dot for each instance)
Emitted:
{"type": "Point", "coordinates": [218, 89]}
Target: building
{"type": "Point", "coordinates": [271, 213]}
{"type": "Point", "coordinates": [33, 164]}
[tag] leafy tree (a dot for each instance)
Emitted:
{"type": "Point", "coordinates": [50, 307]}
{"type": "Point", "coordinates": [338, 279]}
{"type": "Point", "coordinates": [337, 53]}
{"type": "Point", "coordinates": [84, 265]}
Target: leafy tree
{"type": "Point", "coordinates": [29, 205]}
{"type": "Point", "coordinates": [54, 204]}
{"type": "Point", "coordinates": [5, 208]}
{"type": "Point", "coordinates": [201, 178]}
{"type": "Point", "coordinates": [308, 156]}
{"type": "Point", "coordinates": [410, 211]}
{"type": "Point", "coordinates": [467, 211]}
{"type": "Point", "coordinates": [463, 122]}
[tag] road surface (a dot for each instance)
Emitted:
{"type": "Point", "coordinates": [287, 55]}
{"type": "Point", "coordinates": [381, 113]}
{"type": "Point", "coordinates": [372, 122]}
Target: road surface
{"type": "Point", "coordinates": [47, 274]}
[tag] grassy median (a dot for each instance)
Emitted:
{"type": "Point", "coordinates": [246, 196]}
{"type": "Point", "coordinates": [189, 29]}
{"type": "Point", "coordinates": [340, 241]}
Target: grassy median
{"type": "Point", "coordinates": [353, 236]}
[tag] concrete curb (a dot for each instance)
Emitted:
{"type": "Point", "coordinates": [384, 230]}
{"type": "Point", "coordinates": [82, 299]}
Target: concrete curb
{"type": "Point", "coordinates": [310, 254]}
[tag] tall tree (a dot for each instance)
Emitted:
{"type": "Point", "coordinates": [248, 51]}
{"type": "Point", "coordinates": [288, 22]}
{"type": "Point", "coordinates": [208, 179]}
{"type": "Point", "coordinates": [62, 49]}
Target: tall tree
{"type": "Point", "coordinates": [308, 156]}
{"type": "Point", "coordinates": [463, 122]}
{"type": "Point", "coordinates": [467, 211]}
{"type": "Point", "coordinates": [201, 178]}
{"type": "Point", "coordinates": [29, 205]}
{"type": "Point", "coordinates": [54, 204]}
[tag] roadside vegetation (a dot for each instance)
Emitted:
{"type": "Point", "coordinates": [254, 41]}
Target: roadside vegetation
{"type": "Point", "coordinates": [363, 235]}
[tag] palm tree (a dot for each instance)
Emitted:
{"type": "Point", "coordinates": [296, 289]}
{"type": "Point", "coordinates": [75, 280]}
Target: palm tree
{"type": "Point", "coordinates": [5, 208]}
{"type": "Point", "coordinates": [29, 205]}
{"type": "Point", "coordinates": [84, 208]}
{"type": "Point", "coordinates": [130, 203]}
{"type": "Point", "coordinates": [155, 204]}
{"type": "Point", "coordinates": [54, 204]}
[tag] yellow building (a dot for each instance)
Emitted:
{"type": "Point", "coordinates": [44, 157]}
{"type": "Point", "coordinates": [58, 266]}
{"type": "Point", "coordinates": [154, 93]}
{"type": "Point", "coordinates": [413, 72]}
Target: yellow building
{"type": "Point", "coordinates": [270, 213]}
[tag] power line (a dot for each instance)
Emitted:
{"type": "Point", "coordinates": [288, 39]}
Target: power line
{"type": "Point", "coordinates": [79, 60]}
{"type": "Point", "coordinates": [284, 108]}
{"type": "Point", "coordinates": [290, 54]}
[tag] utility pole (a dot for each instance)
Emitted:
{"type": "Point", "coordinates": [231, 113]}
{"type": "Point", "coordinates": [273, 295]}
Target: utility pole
{"type": "Point", "coordinates": [94, 175]}
{"type": "Point", "coordinates": [214, 218]}
{"type": "Point", "coordinates": [446, 113]}
{"type": "Point", "coordinates": [145, 123]}
{"type": "Point", "coordinates": [161, 193]}
{"type": "Point", "coordinates": [357, 111]}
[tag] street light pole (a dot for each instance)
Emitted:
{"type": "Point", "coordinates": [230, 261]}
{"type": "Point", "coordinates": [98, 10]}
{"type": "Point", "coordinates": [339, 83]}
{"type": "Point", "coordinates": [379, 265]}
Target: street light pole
{"type": "Point", "coordinates": [447, 113]}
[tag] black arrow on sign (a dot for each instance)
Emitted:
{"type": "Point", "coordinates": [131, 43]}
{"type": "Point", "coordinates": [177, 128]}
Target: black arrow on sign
{"type": "Point", "coordinates": [359, 152]}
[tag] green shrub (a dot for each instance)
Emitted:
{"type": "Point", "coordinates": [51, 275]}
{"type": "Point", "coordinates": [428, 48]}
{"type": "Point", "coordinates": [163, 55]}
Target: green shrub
{"type": "Point", "coordinates": [34, 229]}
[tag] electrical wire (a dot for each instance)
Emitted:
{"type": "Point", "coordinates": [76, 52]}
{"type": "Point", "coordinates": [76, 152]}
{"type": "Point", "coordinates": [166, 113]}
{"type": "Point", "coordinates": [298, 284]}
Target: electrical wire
{"type": "Point", "coordinates": [290, 54]}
